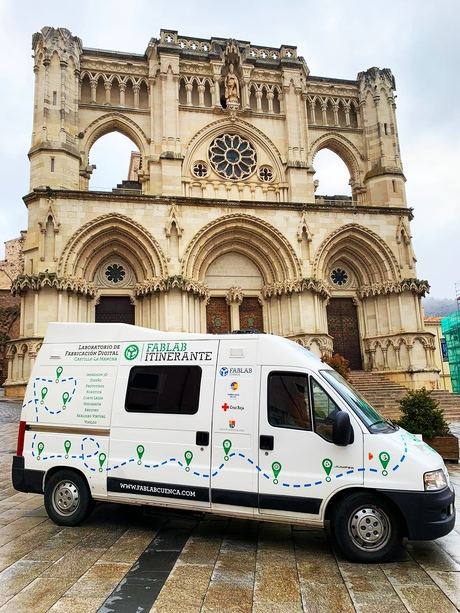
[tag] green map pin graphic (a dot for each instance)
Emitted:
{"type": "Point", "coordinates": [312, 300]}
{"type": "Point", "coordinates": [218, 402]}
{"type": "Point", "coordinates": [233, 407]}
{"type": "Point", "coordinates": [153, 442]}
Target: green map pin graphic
{"type": "Point", "coordinates": [188, 455]}
{"type": "Point", "coordinates": [384, 458]}
{"type": "Point", "coordinates": [227, 445]}
{"type": "Point", "coordinates": [65, 397]}
{"type": "Point", "coordinates": [59, 370]}
{"type": "Point", "coordinates": [276, 468]}
{"type": "Point", "coordinates": [140, 452]}
{"type": "Point", "coordinates": [67, 446]}
{"type": "Point", "coordinates": [40, 448]}
{"type": "Point", "coordinates": [43, 393]}
{"type": "Point", "coordinates": [102, 458]}
{"type": "Point", "coordinates": [327, 465]}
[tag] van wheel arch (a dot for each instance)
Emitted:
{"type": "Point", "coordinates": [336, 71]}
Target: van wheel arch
{"type": "Point", "coordinates": [337, 498]}
{"type": "Point", "coordinates": [52, 471]}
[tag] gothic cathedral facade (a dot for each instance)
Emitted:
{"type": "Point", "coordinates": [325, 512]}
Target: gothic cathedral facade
{"type": "Point", "coordinates": [219, 228]}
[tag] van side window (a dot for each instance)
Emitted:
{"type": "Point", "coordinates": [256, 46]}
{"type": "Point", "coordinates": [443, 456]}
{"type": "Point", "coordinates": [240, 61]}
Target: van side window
{"type": "Point", "coordinates": [324, 410]}
{"type": "Point", "coordinates": [288, 405]}
{"type": "Point", "coordinates": [163, 389]}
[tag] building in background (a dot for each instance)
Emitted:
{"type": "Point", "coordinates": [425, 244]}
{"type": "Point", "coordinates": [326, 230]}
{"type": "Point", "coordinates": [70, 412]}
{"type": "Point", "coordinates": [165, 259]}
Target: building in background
{"type": "Point", "coordinates": [451, 330]}
{"type": "Point", "coordinates": [218, 226]}
{"type": "Point", "coordinates": [10, 268]}
{"type": "Point", "coordinates": [441, 360]}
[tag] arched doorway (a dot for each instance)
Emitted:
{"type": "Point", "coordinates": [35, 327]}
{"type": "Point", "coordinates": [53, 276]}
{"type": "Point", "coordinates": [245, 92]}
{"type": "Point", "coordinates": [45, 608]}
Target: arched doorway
{"type": "Point", "coordinates": [234, 281]}
{"type": "Point", "coordinates": [115, 309]}
{"type": "Point", "coordinates": [343, 326]}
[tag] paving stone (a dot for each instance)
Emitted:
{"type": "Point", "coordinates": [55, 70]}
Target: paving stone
{"type": "Point", "coordinates": [449, 582]}
{"type": "Point", "coordinates": [38, 596]}
{"type": "Point", "coordinates": [420, 598]}
{"type": "Point", "coordinates": [184, 590]}
{"type": "Point", "coordinates": [129, 546]}
{"type": "Point", "coordinates": [368, 586]}
{"type": "Point", "coordinates": [406, 573]}
{"type": "Point", "coordinates": [17, 576]}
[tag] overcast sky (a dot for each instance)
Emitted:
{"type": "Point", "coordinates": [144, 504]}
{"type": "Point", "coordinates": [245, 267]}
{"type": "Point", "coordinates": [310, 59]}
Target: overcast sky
{"type": "Point", "coordinates": [417, 39]}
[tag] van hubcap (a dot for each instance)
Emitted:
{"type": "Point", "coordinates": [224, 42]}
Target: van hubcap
{"type": "Point", "coordinates": [369, 528]}
{"type": "Point", "coordinates": [65, 497]}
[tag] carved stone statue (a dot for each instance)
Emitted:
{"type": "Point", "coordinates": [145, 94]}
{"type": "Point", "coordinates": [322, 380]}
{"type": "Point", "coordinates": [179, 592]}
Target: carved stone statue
{"type": "Point", "coordinates": [232, 86]}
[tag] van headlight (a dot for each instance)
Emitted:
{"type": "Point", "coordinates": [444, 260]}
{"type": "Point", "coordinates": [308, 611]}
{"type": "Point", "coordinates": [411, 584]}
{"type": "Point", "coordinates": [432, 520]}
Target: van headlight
{"type": "Point", "coordinates": [434, 480]}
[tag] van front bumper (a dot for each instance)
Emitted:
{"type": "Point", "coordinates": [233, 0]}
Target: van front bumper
{"type": "Point", "coordinates": [428, 515]}
{"type": "Point", "coordinates": [25, 479]}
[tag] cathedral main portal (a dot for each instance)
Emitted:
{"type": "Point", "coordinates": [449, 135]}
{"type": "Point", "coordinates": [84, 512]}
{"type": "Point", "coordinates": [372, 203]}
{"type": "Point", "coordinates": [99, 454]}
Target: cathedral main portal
{"type": "Point", "coordinates": [115, 309]}
{"type": "Point", "coordinates": [342, 321]}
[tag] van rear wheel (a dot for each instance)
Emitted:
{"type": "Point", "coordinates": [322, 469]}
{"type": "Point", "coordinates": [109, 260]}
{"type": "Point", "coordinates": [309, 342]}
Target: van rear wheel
{"type": "Point", "coordinates": [67, 498]}
{"type": "Point", "coordinates": [366, 528]}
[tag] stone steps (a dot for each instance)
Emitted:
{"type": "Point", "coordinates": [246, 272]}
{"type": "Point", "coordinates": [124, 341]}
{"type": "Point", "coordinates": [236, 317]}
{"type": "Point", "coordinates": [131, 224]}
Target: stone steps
{"type": "Point", "coordinates": [384, 395]}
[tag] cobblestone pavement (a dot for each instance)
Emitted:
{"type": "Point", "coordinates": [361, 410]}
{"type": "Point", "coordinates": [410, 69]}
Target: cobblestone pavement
{"type": "Point", "coordinates": [121, 561]}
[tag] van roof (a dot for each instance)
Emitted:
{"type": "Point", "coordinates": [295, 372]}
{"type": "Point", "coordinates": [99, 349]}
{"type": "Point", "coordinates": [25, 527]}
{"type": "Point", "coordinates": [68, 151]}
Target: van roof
{"type": "Point", "coordinates": [274, 349]}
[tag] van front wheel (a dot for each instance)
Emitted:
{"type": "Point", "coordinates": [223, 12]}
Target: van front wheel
{"type": "Point", "coordinates": [67, 498]}
{"type": "Point", "coordinates": [366, 528]}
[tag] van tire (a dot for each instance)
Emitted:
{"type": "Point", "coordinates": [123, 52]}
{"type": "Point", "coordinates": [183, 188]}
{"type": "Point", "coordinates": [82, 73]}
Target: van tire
{"type": "Point", "coordinates": [68, 501]}
{"type": "Point", "coordinates": [366, 528]}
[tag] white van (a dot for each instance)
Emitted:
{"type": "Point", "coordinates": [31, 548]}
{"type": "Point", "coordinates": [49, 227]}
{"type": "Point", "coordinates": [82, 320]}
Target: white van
{"type": "Point", "coordinates": [244, 425]}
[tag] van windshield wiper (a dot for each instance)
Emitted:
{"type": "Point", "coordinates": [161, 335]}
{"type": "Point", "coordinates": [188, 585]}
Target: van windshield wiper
{"type": "Point", "coordinates": [383, 421]}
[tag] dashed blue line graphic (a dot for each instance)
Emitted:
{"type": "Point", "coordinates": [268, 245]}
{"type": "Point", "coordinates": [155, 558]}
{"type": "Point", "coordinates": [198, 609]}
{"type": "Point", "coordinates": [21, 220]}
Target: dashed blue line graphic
{"type": "Point", "coordinates": [41, 389]}
{"type": "Point", "coordinates": [90, 450]}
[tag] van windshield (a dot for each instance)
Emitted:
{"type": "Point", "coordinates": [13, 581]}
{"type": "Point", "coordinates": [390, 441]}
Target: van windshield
{"type": "Point", "coordinates": [371, 418]}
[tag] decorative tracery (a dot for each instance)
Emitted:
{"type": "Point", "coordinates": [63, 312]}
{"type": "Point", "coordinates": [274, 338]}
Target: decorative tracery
{"type": "Point", "coordinates": [232, 156]}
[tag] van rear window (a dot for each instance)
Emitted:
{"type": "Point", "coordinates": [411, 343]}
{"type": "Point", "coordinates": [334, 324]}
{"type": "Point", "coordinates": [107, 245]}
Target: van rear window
{"type": "Point", "coordinates": [163, 389]}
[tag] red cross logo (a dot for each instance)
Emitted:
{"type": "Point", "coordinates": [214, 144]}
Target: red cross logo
{"type": "Point", "coordinates": [225, 407]}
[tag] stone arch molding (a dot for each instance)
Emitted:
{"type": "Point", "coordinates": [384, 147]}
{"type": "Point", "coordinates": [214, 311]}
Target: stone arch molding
{"type": "Point", "coordinates": [344, 148]}
{"type": "Point", "coordinates": [112, 234]}
{"type": "Point", "coordinates": [369, 256]}
{"type": "Point", "coordinates": [114, 122]}
{"type": "Point", "coordinates": [256, 136]}
{"type": "Point", "coordinates": [270, 251]}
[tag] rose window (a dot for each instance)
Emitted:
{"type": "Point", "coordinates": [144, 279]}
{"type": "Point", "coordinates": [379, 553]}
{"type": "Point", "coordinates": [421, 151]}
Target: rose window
{"type": "Point", "coordinates": [232, 157]}
{"type": "Point", "coordinates": [339, 277]}
{"type": "Point", "coordinates": [115, 273]}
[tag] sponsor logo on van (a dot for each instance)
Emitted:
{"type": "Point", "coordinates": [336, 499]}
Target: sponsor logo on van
{"type": "Point", "coordinates": [232, 407]}
{"type": "Point", "coordinates": [231, 423]}
{"type": "Point", "coordinates": [234, 385]}
{"type": "Point", "coordinates": [235, 370]}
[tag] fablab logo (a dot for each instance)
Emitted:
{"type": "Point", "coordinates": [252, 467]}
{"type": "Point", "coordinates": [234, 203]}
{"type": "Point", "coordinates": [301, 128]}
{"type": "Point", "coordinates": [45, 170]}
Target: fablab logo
{"type": "Point", "coordinates": [223, 371]}
{"type": "Point", "coordinates": [131, 352]}
{"type": "Point", "coordinates": [234, 385]}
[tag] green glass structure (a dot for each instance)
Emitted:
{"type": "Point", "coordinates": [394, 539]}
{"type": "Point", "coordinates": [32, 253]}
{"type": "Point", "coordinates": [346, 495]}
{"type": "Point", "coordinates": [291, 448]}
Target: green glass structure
{"type": "Point", "coordinates": [450, 327]}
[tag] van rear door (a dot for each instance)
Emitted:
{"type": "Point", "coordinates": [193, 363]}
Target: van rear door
{"type": "Point", "coordinates": [161, 426]}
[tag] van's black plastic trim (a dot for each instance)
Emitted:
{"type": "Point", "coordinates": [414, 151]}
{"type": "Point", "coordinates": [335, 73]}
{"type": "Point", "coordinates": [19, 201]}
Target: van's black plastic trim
{"type": "Point", "coordinates": [154, 488]}
{"type": "Point", "coordinates": [428, 515]}
{"type": "Point", "coordinates": [237, 498]}
{"type": "Point", "coordinates": [296, 504]}
{"type": "Point", "coordinates": [26, 479]}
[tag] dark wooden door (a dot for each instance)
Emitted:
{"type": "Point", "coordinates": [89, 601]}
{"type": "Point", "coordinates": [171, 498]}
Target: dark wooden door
{"type": "Point", "coordinates": [115, 309]}
{"type": "Point", "coordinates": [251, 315]}
{"type": "Point", "coordinates": [342, 322]}
{"type": "Point", "coordinates": [217, 316]}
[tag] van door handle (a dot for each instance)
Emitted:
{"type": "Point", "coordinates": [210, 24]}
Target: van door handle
{"type": "Point", "coordinates": [202, 438]}
{"type": "Point", "coordinates": [267, 443]}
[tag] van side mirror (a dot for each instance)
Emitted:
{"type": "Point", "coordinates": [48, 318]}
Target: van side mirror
{"type": "Point", "coordinates": [342, 430]}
